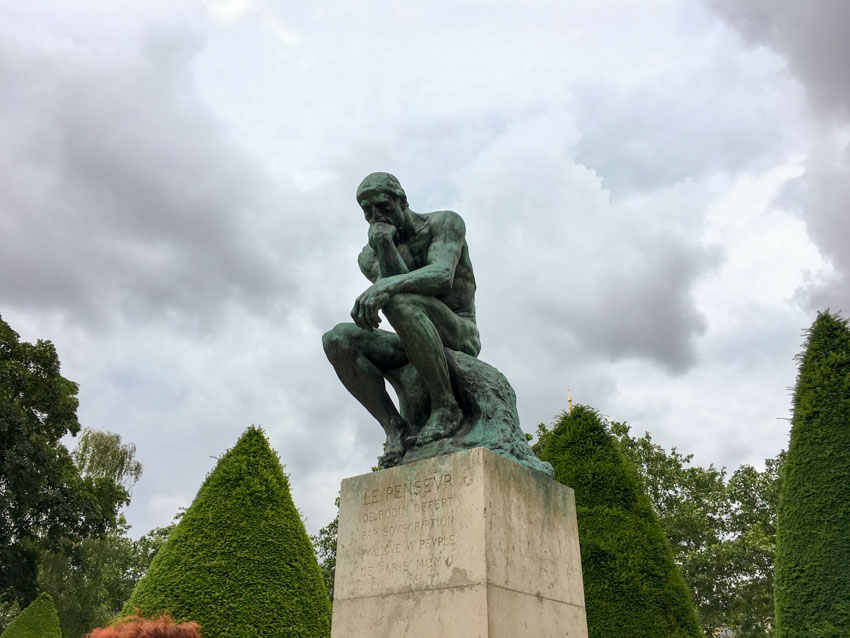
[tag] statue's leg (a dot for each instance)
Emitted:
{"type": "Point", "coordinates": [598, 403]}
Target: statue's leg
{"type": "Point", "coordinates": [360, 357]}
{"type": "Point", "coordinates": [425, 325]}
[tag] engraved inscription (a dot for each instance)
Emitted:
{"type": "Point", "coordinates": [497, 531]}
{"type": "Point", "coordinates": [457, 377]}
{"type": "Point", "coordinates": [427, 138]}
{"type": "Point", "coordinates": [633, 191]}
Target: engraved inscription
{"type": "Point", "coordinates": [408, 527]}
{"type": "Point", "coordinates": [412, 489]}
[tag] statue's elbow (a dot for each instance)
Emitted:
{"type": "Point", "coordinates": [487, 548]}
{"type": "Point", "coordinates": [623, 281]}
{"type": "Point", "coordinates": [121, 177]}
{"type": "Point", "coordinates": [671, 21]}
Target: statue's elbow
{"type": "Point", "coordinates": [445, 279]}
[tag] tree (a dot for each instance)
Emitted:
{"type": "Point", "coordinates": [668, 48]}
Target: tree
{"type": "Point", "coordinates": [632, 586]}
{"type": "Point", "coordinates": [813, 534]}
{"type": "Point", "coordinates": [101, 454]}
{"type": "Point", "coordinates": [43, 498]}
{"type": "Point", "coordinates": [88, 580]}
{"type": "Point", "coordinates": [239, 561]}
{"type": "Point", "coordinates": [91, 578]}
{"type": "Point", "coordinates": [39, 620]}
{"type": "Point", "coordinates": [722, 531]}
{"type": "Point", "coordinates": [324, 545]}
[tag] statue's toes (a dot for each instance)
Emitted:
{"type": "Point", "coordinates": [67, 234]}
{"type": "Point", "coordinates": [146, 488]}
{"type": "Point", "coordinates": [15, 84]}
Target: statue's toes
{"type": "Point", "coordinates": [427, 435]}
{"type": "Point", "coordinates": [390, 458]}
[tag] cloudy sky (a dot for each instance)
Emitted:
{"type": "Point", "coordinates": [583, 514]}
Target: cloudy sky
{"type": "Point", "coordinates": [656, 195]}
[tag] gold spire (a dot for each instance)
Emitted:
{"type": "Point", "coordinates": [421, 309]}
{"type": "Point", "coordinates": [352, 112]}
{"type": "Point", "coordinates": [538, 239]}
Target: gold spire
{"type": "Point", "coordinates": [569, 400]}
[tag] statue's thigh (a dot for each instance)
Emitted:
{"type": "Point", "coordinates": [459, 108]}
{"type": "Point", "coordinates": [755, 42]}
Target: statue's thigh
{"type": "Point", "coordinates": [453, 330]}
{"type": "Point", "coordinates": [382, 348]}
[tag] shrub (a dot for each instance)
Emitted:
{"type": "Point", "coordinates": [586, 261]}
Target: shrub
{"type": "Point", "coordinates": [138, 627]}
{"type": "Point", "coordinates": [39, 620]}
{"type": "Point", "coordinates": [812, 574]}
{"type": "Point", "coordinates": [239, 561]}
{"type": "Point", "coordinates": [632, 587]}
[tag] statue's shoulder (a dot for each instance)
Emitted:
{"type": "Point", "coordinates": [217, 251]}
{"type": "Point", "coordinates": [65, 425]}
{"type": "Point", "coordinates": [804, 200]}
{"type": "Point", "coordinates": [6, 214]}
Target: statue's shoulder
{"type": "Point", "coordinates": [447, 219]}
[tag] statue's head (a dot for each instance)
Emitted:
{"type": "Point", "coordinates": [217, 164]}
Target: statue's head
{"type": "Point", "coordinates": [381, 183]}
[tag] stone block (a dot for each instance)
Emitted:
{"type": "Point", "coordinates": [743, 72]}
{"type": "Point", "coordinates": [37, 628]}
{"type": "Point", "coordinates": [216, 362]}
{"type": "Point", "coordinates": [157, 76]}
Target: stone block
{"type": "Point", "coordinates": [467, 545]}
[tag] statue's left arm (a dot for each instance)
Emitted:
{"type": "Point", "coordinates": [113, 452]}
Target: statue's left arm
{"type": "Point", "coordinates": [448, 234]}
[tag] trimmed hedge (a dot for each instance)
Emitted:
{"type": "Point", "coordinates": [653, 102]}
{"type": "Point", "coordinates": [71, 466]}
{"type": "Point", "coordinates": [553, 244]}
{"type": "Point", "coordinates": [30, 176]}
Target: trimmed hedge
{"type": "Point", "coordinates": [38, 620]}
{"type": "Point", "coordinates": [239, 561]}
{"type": "Point", "coordinates": [632, 587]}
{"type": "Point", "coordinates": [812, 569]}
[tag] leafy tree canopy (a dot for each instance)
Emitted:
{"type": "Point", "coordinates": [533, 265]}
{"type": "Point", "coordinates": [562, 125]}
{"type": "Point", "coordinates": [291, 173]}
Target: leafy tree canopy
{"type": "Point", "coordinates": [722, 531]}
{"type": "Point", "coordinates": [43, 498]}
{"type": "Point", "coordinates": [102, 454]}
{"type": "Point", "coordinates": [324, 544]}
{"type": "Point", "coordinates": [91, 578]}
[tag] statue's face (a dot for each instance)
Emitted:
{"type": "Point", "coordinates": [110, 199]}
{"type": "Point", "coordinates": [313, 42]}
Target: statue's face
{"type": "Point", "coordinates": [382, 206]}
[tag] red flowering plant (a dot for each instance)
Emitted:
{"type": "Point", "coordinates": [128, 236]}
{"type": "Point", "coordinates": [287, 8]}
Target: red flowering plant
{"type": "Point", "coordinates": [137, 627]}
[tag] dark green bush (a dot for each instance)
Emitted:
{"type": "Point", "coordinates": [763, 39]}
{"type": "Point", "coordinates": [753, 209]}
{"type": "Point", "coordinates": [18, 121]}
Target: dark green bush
{"type": "Point", "coordinates": [39, 620]}
{"type": "Point", "coordinates": [632, 587]}
{"type": "Point", "coordinates": [812, 573]}
{"type": "Point", "coordinates": [239, 561]}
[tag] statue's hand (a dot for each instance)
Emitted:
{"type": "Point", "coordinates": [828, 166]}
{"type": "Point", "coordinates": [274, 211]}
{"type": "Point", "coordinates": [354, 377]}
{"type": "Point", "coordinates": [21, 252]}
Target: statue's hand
{"type": "Point", "coordinates": [381, 232]}
{"type": "Point", "coordinates": [367, 305]}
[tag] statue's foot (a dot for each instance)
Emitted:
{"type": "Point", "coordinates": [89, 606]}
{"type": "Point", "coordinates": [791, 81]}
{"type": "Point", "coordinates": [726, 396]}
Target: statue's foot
{"type": "Point", "coordinates": [409, 440]}
{"type": "Point", "coordinates": [390, 458]}
{"type": "Point", "coordinates": [393, 452]}
{"type": "Point", "coordinates": [442, 424]}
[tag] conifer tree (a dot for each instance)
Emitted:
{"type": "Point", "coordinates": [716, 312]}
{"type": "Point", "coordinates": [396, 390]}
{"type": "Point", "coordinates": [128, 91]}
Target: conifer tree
{"type": "Point", "coordinates": [812, 573]}
{"type": "Point", "coordinates": [632, 587]}
{"type": "Point", "coordinates": [239, 561]}
{"type": "Point", "coordinates": [39, 620]}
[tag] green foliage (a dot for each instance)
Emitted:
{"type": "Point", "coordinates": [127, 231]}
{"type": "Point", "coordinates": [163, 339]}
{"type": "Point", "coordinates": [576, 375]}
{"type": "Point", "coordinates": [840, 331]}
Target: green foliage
{"type": "Point", "coordinates": [722, 533]}
{"type": "Point", "coordinates": [633, 589]}
{"type": "Point", "coordinates": [324, 544]}
{"type": "Point", "coordinates": [813, 535]}
{"type": "Point", "coordinates": [89, 579]}
{"type": "Point", "coordinates": [239, 561]}
{"type": "Point", "coordinates": [101, 454]}
{"type": "Point", "coordinates": [43, 498]}
{"type": "Point", "coordinates": [39, 620]}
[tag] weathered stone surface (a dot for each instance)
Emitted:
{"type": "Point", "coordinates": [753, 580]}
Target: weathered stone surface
{"type": "Point", "coordinates": [467, 545]}
{"type": "Point", "coordinates": [489, 405]}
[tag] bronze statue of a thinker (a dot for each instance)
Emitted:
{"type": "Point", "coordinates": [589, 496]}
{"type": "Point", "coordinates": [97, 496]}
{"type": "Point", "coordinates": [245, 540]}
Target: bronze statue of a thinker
{"type": "Point", "coordinates": [422, 281]}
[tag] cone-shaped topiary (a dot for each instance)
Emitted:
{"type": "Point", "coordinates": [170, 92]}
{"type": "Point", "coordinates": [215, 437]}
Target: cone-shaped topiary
{"type": "Point", "coordinates": [39, 620]}
{"type": "Point", "coordinates": [239, 561]}
{"type": "Point", "coordinates": [632, 587]}
{"type": "Point", "coordinates": [812, 569]}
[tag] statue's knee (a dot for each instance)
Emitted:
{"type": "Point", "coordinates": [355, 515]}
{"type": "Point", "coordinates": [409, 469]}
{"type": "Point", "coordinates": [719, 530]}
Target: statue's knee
{"type": "Point", "coordinates": [337, 340]}
{"type": "Point", "coordinates": [403, 306]}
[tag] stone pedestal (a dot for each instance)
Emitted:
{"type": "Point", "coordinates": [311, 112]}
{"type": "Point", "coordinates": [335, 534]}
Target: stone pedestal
{"type": "Point", "coordinates": [468, 545]}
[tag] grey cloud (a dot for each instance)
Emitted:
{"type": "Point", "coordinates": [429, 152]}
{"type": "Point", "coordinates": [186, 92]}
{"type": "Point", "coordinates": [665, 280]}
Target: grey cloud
{"type": "Point", "coordinates": [812, 36]}
{"type": "Point", "coordinates": [647, 312]}
{"type": "Point", "coordinates": [121, 190]}
{"type": "Point", "coordinates": [575, 262]}
{"type": "Point", "coordinates": [638, 138]}
{"type": "Point", "coordinates": [822, 197]}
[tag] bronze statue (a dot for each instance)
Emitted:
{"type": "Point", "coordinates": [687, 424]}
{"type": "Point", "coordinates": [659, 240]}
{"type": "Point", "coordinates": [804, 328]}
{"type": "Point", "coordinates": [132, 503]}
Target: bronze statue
{"type": "Point", "coordinates": [422, 281]}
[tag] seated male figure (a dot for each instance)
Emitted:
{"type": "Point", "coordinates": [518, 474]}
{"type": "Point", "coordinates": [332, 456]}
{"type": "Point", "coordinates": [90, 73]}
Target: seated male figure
{"type": "Point", "coordinates": [422, 281]}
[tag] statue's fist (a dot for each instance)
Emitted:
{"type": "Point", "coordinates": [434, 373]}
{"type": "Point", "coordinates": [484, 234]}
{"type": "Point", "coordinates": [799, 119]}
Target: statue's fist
{"type": "Point", "coordinates": [381, 232]}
